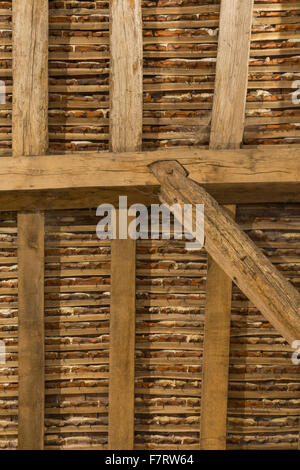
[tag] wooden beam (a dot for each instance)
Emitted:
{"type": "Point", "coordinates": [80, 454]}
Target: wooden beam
{"type": "Point", "coordinates": [30, 75]}
{"type": "Point", "coordinates": [129, 170]}
{"type": "Point", "coordinates": [31, 330]}
{"type": "Point", "coordinates": [30, 137]}
{"type": "Point", "coordinates": [126, 76]}
{"type": "Point", "coordinates": [227, 130]}
{"type": "Point", "coordinates": [231, 248]}
{"type": "Point", "coordinates": [126, 114]}
{"type": "Point", "coordinates": [122, 345]}
{"type": "Point", "coordinates": [75, 198]}
{"type": "Point", "coordinates": [229, 104]}
{"type": "Point", "coordinates": [216, 350]}
{"type": "Point", "coordinates": [81, 198]}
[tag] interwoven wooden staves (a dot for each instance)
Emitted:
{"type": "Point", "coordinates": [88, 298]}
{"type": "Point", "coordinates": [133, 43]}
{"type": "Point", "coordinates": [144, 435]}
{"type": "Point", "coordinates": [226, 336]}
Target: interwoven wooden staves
{"type": "Point", "coordinates": [87, 395]}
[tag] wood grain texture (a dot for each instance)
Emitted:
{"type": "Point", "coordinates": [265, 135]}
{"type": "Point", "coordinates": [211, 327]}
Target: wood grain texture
{"type": "Point", "coordinates": [31, 330]}
{"type": "Point", "coordinates": [216, 349]}
{"type": "Point", "coordinates": [30, 137]}
{"type": "Point", "coordinates": [229, 104]}
{"type": "Point", "coordinates": [108, 170]}
{"type": "Point", "coordinates": [76, 198]}
{"type": "Point", "coordinates": [122, 345]}
{"type": "Point", "coordinates": [30, 74]}
{"type": "Point", "coordinates": [126, 76]}
{"type": "Point", "coordinates": [231, 248]}
{"type": "Point", "coordinates": [227, 128]}
{"type": "Point", "coordinates": [90, 197]}
{"type": "Point", "coordinates": [126, 114]}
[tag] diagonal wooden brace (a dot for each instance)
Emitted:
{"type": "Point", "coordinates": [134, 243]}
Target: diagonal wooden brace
{"type": "Point", "coordinates": [234, 251]}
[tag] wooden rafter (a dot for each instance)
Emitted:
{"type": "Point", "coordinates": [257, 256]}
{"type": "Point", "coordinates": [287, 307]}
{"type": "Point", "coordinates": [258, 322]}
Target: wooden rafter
{"type": "Point", "coordinates": [213, 168]}
{"type": "Point", "coordinates": [126, 116]}
{"type": "Point", "coordinates": [122, 345]}
{"type": "Point", "coordinates": [215, 367]}
{"type": "Point", "coordinates": [227, 128]}
{"type": "Point", "coordinates": [30, 137]}
{"type": "Point", "coordinates": [232, 249]}
{"type": "Point", "coordinates": [88, 179]}
{"type": "Point", "coordinates": [31, 330]}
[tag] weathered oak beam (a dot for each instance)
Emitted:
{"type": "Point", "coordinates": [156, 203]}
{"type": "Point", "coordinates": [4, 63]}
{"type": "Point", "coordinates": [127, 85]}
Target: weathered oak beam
{"type": "Point", "coordinates": [108, 170]}
{"type": "Point", "coordinates": [80, 198]}
{"type": "Point", "coordinates": [30, 137]}
{"type": "Point", "coordinates": [126, 75]}
{"type": "Point", "coordinates": [30, 77]}
{"type": "Point", "coordinates": [231, 248]}
{"type": "Point", "coordinates": [31, 330]}
{"type": "Point", "coordinates": [229, 105]}
{"type": "Point", "coordinates": [227, 128]}
{"type": "Point", "coordinates": [75, 198]}
{"type": "Point", "coordinates": [126, 118]}
{"type": "Point", "coordinates": [122, 345]}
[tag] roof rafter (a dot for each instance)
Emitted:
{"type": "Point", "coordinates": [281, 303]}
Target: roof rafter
{"type": "Point", "coordinates": [232, 249]}
{"type": "Point", "coordinates": [128, 170]}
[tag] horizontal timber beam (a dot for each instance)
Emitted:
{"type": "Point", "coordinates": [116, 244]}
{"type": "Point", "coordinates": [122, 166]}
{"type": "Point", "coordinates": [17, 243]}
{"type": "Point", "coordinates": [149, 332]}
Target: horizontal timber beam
{"type": "Point", "coordinates": [227, 130]}
{"type": "Point", "coordinates": [30, 137]}
{"type": "Point", "coordinates": [232, 249]}
{"type": "Point", "coordinates": [126, 123]}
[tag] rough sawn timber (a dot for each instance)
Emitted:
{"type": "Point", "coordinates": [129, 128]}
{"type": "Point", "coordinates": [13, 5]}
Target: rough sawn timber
{"type": "Point", "coordinates": [126, 75]}
{"type": "Point", "coordinates": [229, 105]}
{"type": "Point", "coordinates": [126, 117]}
{"type": "Point", "coordinates": [227, 129]}
{"type": "Point", "coordinates": [30, 137]}
{"type": "Point", "coordinates": [216, 350]}
{"type": "Point", "coordinates": [232, 249]}
{"type": "Point", "coordinates": [130, 169]}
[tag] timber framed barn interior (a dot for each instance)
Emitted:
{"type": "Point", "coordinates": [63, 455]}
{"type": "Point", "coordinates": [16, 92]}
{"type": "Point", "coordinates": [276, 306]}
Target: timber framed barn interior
{"type": "Point", "coordinates": [143, 344]}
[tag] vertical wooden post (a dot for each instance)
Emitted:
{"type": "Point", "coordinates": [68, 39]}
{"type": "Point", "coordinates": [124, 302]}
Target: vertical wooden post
{"type": "Point", "coordinates": [126, 113]}
{"type": "Point", "coordinates": [216, 356]}
{"type": "Point", "coordinates": [126, 79]}
{"type": "Point", "coordinates": [30, 137]}
{"type": "Point", "coordinates": [227, 130]}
